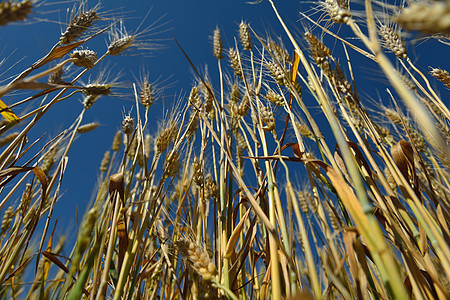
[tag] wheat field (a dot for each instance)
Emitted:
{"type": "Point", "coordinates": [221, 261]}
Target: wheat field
{"type": "Point", "coordinates": [276, 176]}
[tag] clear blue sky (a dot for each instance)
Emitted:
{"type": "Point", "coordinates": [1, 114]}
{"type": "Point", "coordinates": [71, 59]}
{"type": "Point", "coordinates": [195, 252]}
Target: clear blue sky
{"type": "Point", "coordinates": [192, 24]}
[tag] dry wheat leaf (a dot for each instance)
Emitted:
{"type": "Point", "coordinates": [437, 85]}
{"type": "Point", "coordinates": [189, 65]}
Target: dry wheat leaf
{"type": "Point", "coordinates": [52, 257]}
{"type": "Point", "coordinates": [12, 171]}
{"type": "Point", "coordinates": [235, 235]}
{"type": "Point", "coordinates": [55, 53]}
{"type": "Point", "coordinates": [36, 85]}
{"type": "Point", "coordinates": [116, 183]}
{"type": "Point", "coordinates": [403, 156]}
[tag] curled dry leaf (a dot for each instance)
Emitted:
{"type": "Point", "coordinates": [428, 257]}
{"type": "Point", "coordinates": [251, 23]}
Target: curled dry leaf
{"type": "Point", "coordinates": [235, 235]}
{"type": "Point", "coordinates": [403, 156]}
{"type": "Point", "coordinates": [295, 148]}
{"type": "Point", "coordinates": [116, 184]}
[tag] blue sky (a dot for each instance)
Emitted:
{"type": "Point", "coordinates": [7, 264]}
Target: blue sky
{"type": "Point", "coordinates": [192, 24]}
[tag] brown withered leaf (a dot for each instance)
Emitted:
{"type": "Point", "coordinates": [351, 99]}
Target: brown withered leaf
{"type": "Point", "coordinates": [122, 233]}
{"type": "Point", "coordinates": [116, 184]}
{"type": "Point", "coordinates": [52, 257]}
{"type": "Point", "coordinates": [403, 156]}
{"type": "Point", "coordinates": [13, 171]}
{"type": "Point", "coordinates": [295, 148]}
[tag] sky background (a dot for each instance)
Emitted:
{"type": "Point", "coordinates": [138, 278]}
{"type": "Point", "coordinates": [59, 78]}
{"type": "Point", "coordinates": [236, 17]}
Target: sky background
{"type": "Point", "coordinates": [192, 24]}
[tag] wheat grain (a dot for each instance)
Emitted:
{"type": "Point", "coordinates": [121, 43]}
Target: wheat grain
{"type": "Point", "coordinates": [217, 44]}
{"type": "Point", "coordinates": [56, 77]}
{"type": "Point", "coordinates": [165, 136]}
{"type": "Point", "coordinates": [302, 199]}
{"type": "Point", "coordinates": [426, 16]}
{"type": "Point", "coordinates": [319, 52]}
{"type": "Point", "coordinates": [337, 10]}
{"type": "Point", "coordinates": [194, 122]}
{"type": "Point", "coordinates": [26, 199]}
{"type": "Point", "coordinates": [78, 25]}
{"type": "Point", "coordinates": [341, 81]}
{"type": "Point", "coordinates": [8, 139]}
{"type": "Point", "coordinates": [197, 173]}
{"type": "Point", "coordinates": [274, 98]}
{"type": "Point", "coordinates": [244, 106]}
{"type": "Point", "coordinates": [277, 73]}
{"type": "Point", "coordinates": [117, 141]}
{"type": "Point", "coordinates": [268, 118]}
{"type": "Point", "coordinates": [8, 216]}
{"type": "Point", "coordinates": [131, 150]}
{"type": "Point", "coordinates": [147, 96]}
{"type": "Point", "coordinates": [235, 94]}
{"type": "Point", "coordinates": [441, 75]}
{"type": "Point", "coordinates": [89, 100]}
{"type": "Point", "coordinates": [235, 64]}
{"type": "Point", "coordinates": [335, 221]}
{"type": "Point", "coordinates": [96, 89]}
{"type": "Point", "coordinates": [120, 40]}
{"type": "Point", "coordinates": [194, 98]}
{"type": "Point", "coordinates": [105, 162]}
{"type": "Point", "coordinates": [127, 125]}
{"type": "Point", "coordinates": [120, 45]}
{"type": "Point", "coordinates": [417, 140]}
{"type": "Point", "coordinates": [206, 89]}
{"type": "Point", "coordinates": [49, 159]}
{"type": "Point", "coordinates": [172, 164]}
{"type": "Point", "coordinates": [393, 115]}
{"type": "Point", "coordinates": [240, 141]}
{"type": "Point", "coordinates": [244, 36]}
{"type": "Point", "coordinates": [211, 188]}
{"type": "Point", "coordinates": [84, 58]}
{"type": "Point", "coordinates": [198, 258]}
{"type": "Point", "coordinates": [12, 11]}
{"type": "Point", "coordinates": [84, 237]}
{"type": "Point", "coordinates": [392, 40]}
{"type": "Point", "coordinates": [280, 52]}
{"type": "Point", "coordinates": [408, 83]}
{"type": "Point", "coordinates": [87, 127]}
{"type": "Point", "coordinates": [304, 130]}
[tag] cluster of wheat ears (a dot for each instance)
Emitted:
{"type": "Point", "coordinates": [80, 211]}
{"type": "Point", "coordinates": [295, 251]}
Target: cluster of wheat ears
{"type": "Point", "coordinates": [239, 194]}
